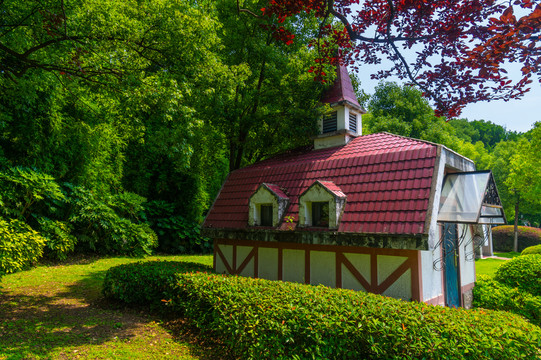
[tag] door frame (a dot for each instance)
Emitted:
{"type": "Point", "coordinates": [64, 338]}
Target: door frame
{"type": "Point", "coordinates": [451, 259]}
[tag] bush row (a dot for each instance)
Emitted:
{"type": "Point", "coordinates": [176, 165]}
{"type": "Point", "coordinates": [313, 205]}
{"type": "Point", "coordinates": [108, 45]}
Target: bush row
{"type": "Point", "coordinates": [278, 320]}
{"type": "Point", "coordinates": [532, 250]}
{"type": "Point", "coordinates": [491, 294]}
{"type": "Point", "coordinates": [522, 272]}
{"type": "Point", "coordinates": [146, 283]}
{"type": "Point", "coordinates": [503, 237]}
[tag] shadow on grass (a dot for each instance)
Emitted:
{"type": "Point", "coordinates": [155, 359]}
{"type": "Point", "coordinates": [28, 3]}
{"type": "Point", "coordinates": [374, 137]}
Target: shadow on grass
{"type": "Point", "coordinates": [74, 319]}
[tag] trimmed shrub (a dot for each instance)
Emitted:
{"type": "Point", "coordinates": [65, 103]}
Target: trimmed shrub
{"type": "Point", "coordinates": [523, 272]}
{"type": "Point", "coordinates": [270, 319]}
{"type": "Point", "coordinates": [491, 294]}
{"type": "Point", "coordinates": [532, 250]}
{"type": "Point", "coordinates": [145, 282]}
{"type": "Point", "coordinates": [20, 246]}
{"type": "Point", "coordinates": [262, 319]}
{"type": "Point", "coordinates": [503, 237]}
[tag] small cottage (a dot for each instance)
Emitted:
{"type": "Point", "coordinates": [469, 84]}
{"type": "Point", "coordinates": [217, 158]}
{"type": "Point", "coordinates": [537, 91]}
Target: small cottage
{"type": "Point", "coordinates": [380, 213]}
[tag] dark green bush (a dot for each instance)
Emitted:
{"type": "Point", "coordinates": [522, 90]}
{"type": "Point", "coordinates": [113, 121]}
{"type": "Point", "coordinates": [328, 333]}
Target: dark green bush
{"type": "Point", "coordinates": [25, 190]}
{"type": "Point", "coordinates": [146, 282]}
{"type": "Point", "coordinates": [503, 237]}
{"type": "Point", "coordinates": [20, 246]}
{"type": "Point", "coordinates": [532, 250]}
{"type": "Point", "coordinates": [523, 272]}
{"type": "Point", "coordinates": [491, 294]}
{"type": "Point", "coordinates": [176, 234]}
{"type": "Point", "coordinates": [261, 319]}
{"type": "Point", "coordinates": [60, 242]}
{"type": "Point", "coordinates": [101, 229]}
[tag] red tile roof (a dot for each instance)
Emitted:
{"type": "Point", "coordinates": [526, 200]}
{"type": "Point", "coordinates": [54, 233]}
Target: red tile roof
{"type": "Point", "coordinates": [342, 90]}
{"type": "Point", "coordinates": [386, 178]}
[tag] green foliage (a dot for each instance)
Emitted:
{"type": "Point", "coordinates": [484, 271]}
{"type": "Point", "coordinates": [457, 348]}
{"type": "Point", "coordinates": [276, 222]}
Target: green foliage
{"type": "Point", "coordinates": [266, 319]}
{"type": "Point", "coordinates": [60, 241]}
{"type": "Point", "coordinates": [176, 235]}
{"type": "Point", "coordinates": [270, 103]}
{"type": "Point", "coordinates": [24, 190]}
{"type": "Point", "coordinates": [146, 283]}
{"type": "Point", "coordinates": [523, 272]}
{"type": "Point", "coordinates": [525, 172]}
{"type": "Point", "coordinates": [486, 132]}
{"type": "Point", "coordinates": [20, 246]}
{"type": "Point", "coordinates": [491, 294]}
{"type": "Point", "coordinates": [503, 237]}
{"type": "Point", "coordinates": [536, 249]}
{"type": "Point", "coordinates": [402, 110]}
{"type": "Point", "coordinates": [99, 227]}
{"type": "Point", "coordinates": [270, 319]}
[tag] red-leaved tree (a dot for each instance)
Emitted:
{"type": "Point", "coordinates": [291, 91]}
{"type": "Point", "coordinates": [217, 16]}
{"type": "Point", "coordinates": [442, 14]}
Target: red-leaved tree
{"type": "Point", "coordinates": [454, 50]}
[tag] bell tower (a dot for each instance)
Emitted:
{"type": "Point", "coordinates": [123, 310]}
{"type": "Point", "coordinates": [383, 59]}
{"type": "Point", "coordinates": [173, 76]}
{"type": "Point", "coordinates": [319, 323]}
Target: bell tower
{"type": "Point", "coordinates": [343, 122]}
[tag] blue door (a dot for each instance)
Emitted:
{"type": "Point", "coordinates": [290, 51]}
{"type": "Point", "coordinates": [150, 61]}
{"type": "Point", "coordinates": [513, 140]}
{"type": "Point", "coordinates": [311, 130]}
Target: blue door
{"type": "Point", "coordinates": [450, 253]}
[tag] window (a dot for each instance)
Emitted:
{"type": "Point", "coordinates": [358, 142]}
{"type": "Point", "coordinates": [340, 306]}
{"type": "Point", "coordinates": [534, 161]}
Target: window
{"type": "Point", "coordinates": [266, 215]}
{"type": "Point", "coordinates": [330, 122]}
{"type": "Point", "coordinates": [353, 122]}
{"type": "Point", "coordinates": [320, 214]}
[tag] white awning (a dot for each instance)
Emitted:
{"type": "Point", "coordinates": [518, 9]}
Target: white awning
{"type": "Point", "coordinates": [470, 197]}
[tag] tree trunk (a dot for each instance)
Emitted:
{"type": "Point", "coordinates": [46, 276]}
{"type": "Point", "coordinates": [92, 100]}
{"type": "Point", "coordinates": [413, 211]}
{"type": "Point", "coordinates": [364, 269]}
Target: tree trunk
{"type": "Point", "coordinates": [515, 243]}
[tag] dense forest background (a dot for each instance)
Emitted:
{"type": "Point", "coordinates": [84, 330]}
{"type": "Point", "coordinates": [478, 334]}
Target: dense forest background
{"type": "Point", "coordinates": [120, 120]}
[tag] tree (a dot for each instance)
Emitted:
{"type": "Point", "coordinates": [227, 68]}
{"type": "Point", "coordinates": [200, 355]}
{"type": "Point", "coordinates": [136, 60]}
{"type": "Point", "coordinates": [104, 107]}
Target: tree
{"type": "Point", "coordinates": [402, 110]}
{"type": "Point", "coordinates": [447, 48]}
{"type": "Point", "coordinates": [272, 103]}
{"type": "Point", "coordinates": [525, 173]}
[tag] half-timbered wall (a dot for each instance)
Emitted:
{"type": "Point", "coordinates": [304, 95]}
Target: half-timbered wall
{"type": "Point", "coordinates": [390, 272]}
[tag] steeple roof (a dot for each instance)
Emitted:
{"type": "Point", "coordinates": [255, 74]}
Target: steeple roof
{"type": "Point", "coordinates": [342, 90]}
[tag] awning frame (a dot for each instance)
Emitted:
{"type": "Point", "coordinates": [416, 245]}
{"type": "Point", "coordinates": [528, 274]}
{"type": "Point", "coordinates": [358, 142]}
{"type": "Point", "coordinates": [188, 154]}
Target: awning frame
{"type": "Point", "coordinates": [489, 209]}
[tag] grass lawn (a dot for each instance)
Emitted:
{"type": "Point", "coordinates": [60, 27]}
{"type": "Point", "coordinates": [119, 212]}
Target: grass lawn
{"type": "Point", "coordinates": [58, 312]}
{"type": "Point", "coordinates": [487, 266]}
{"type": "Point", "coordinates": [509, 255]}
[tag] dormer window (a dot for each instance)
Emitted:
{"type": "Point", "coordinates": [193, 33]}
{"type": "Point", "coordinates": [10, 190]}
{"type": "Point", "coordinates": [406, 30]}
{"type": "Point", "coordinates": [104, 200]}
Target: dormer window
{"type": "Point", "coordinates": [321, 205]}
{"type": "Point", "coordinates": [266, 214]}
{"type": "Point", "coordinates": [320, 214]}
{"type": "Point", "coordinates": [267, 205]}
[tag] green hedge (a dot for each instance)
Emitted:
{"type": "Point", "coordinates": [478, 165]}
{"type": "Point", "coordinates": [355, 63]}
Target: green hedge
{"type": "Point", "coordinates": [145, 282]}
{"type": "Point", "coordinates": [20, 246]}
{"type": "Point", "coordinates": [532, 250]}
{"type": "Point", "coordinates": [262, 319]}
{"type": "Point", "coordinates": [503, 237]}
{"type": "Point", "coordinates": [523, 272]}
{"type": "Point", "coordinates": [491, 294]}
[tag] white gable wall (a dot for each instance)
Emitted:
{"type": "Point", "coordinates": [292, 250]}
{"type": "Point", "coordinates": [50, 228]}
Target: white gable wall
{"type": "Point", "coordinates": [432, 271]}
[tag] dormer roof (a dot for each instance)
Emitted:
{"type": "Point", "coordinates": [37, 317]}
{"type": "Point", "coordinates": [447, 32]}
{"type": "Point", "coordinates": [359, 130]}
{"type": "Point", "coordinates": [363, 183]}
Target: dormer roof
{"type": "Point", "coordinates": [276, 190]}
{"type": "Point", "coordinates": [331, 188]}
{"type": "Point", "coordinates": [342, 91]}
